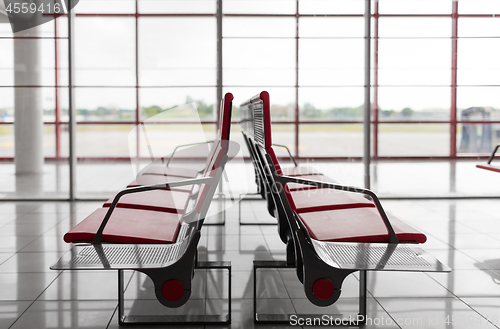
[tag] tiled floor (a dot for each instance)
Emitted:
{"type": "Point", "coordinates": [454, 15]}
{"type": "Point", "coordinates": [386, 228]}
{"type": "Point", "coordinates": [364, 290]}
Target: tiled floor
{"type": "Point", "coordinates": [464, 234]}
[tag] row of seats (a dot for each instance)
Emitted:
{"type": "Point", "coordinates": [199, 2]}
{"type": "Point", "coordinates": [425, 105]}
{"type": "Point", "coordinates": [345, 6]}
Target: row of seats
{"type": "Point", "coordinates": [488, 165]}
{"type": "Point", "coordinates": [328, 214]}
{"type": "Point", "coordinates": [166, 206]}
{"type": "Point", "coordinates": [330, 230]}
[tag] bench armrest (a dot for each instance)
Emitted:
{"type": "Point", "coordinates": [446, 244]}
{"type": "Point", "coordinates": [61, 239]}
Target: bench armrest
{"type": "Point", "coordinates": [98, 237]}
{"type": "Point", "coordinates": [493, 154]}
{"type": "Point", "coordinates": [184, 145]}
{"type": "Point", "coordinates": [392, 235]}
{"type": "Point", "coordinates": [289, 153]}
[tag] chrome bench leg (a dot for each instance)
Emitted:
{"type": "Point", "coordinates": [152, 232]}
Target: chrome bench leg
{"type": "Point", "coordinates": [124, 319]}
{"type": "Point", "coordinates": [354, 320]}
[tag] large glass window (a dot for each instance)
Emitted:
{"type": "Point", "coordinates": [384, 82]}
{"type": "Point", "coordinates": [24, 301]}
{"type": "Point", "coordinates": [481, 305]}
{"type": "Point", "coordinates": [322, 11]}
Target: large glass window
{"type": "Point", "coordinates": [434, 67]}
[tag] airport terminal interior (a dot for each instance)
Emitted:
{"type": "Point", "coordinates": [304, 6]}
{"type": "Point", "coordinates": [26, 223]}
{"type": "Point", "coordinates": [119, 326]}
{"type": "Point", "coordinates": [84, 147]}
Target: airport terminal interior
{"type": "Point", "coordinates": [302, 163]}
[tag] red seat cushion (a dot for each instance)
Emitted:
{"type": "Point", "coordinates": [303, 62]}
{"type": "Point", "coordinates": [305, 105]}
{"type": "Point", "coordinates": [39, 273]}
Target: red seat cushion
{"type": "Point", "coordinates": [300, 171]}
{"type": "Point", "coordinates": [299, 187]}
{"type": "Point", "coordinates": [489, 167]}
{"type": "Point", "coordinates": [157, 200]}
{"type": "Point", "coordinates": [128, 226]}
{"type": "Point", "coordinates": [326, 199]}
{"type": "Point", "coordinates": [159, 179]}
{"type": "Point", "coordinates": [171, 171]}
{"type": "Point", "coordinates": [357, 225]}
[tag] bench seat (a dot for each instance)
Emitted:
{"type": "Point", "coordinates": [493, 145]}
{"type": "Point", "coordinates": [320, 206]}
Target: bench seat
{"type": "Point", "coordinates": [300, 187]}
{"type": "Point", "coordinates": [128, 226]}
{"type": "Point", "coordinates": [156, 200]}
{"type": "Point", "coordinates": [171, 171]}
{"type": "Point", "coordinates": [159, 179]}
{"type": "Point", "coordinates": [489, 167]}
{"type": "Point", "coordinates": [326, 199]}
{"type": "Point", "coordinates": [357, 225]}
{"type": "Point", "coordinates": [300, 171]}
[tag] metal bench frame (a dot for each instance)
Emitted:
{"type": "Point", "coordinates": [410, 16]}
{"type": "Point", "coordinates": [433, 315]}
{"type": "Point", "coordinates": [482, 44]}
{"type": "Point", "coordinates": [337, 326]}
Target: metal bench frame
{"type": "Point", "coordinates": [310, 257]}
{"type": "Point", "coordinates": [162, 262]}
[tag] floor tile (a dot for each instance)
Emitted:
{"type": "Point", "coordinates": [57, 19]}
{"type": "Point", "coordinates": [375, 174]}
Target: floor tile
{"type": "Point", "coordinates": [67, 314]}
{"type": "Point", "coordinates": [489, 308]}
{"type": "Point", "coordinates": [405, 284]}
{"type": "Point", "coordinates": [24, 286]}
{"type": "Point", "coordinates": [29, 262]}
{"type": "Point", "coordinates": [10, 311]}
{"type": "Point", "coordinates": [84, 285]}
{"type": "Point", "coordinates": [470, 283]}
{"type": "Point", "coordinates": [433, 313]}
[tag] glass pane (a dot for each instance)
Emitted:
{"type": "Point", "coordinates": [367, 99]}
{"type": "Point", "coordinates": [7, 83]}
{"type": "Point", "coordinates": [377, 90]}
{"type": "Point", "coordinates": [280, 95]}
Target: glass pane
{"type": "Point", "coordinates": [155, 100]}
{"type": "Point", "coordinates": [283, 134]}
{"type": "Point", "coordinates": [414, 140]}
{"type": "Point", "coordinates": [259, 27]}
{"type": "Point", "coordinates": [49, 141]}
{"type": "Point", "coordinates": [163, 138]}
{"type": "Point", "coordinates": [337, 7]}
{"type": "Point", "coordinates": [259, 62]}
{"type": "Point", "coordinates": [183, 54]}
{"type": "Point", "coordinates": [478, 137]}
{"type": "Point", "coordinates": [49, 104]}
{"type": "Point", "coordinates": [478, 7]}
{"type": "Point", "coordinates": [7, 140]}
{"type": "Point", "coordinates": [6, 61]}
{"type": "Point", "coordinates": [237, 137]}
{"type": "Point", "coordinates": [104, 104]}
{"type": "Point", "coordinates": [414, 62]}
{"type": "Point", "coordinates": [320, 27]}
{"type": "Point", "coordinates": [178, 6]}
{"type": "Point", "coordinates": [45, 47]}
{"type": "Point", "coordinates": [478, 62]}
{"type": "Point", "coordinates": [7, 104]}
{"type": "Point", "coordinates": [479, 27]}
{"type": "Point", "coordinates": [260, 6]}
{"type": "Point", "coordinates": [282, 101]}
{"type": "Point", "coordinates": [406, 27]}
{"type": "Point", "coordinates": [104, 51]}
{"type": "Point", "coordinates": [417, 104]}
{"type": "Point", "coordinates": [484, 97]}
{"type": "Point", "coordinates": [102, 140]}
{"type": "Point", "coordinates": [331, 103]}
{"type": "Point", "coordinates": [415, 6]}
{"type": "Point", "coordinates": [321, 63]}
{"type": "Point", "coordinates": [340, 140]}
{"type": "Point", "coordinates": [45, 30]}
{"type": "Point", "coordinates": [62, 26]}
{"type": "Point", "coordinates": [105, 7]}
{"type": "Point", "coordinates": [427, 178]}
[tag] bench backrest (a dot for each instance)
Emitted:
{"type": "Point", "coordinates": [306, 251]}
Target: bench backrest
{"type": "Point", "coordinates": [256, 125]}
{"type": "Point", "coordinates": [256, 128]}
{"type": "Point", "coordinates": [218, 156]}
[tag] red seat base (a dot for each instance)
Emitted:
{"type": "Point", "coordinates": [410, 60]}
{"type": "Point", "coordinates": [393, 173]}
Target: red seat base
{"type": "Point", "coordinates": [327, 199]}
{"type": "Point", "coordinates": [357, 225]}
{"type": "Point", "coordinates": [128, 226]}
{"type": "Point", "coordinates": [489, 167]}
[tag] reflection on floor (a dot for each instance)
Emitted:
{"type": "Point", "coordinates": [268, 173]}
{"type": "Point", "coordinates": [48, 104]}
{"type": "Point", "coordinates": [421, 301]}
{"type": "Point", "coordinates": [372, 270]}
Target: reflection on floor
{"type": "Point", "coordinates": [421, 178]}
{"type": "Point", "coordinates": [465, 234]}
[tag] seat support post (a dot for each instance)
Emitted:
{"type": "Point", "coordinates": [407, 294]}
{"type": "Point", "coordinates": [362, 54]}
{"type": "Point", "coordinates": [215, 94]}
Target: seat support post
{"type": "Point", "coordinates": [362, 295]}
{"type": "Point", "coordinates": [176, 319]}
{"type": "Point", "coordinates": [285, 318]}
